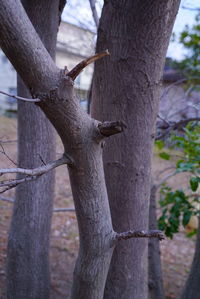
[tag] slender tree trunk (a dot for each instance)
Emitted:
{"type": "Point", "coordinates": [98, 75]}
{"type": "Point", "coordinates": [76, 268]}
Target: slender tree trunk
{"type": "Point", "coordinates": [192, 286]}
{"type": "Point", "coordinates": [126, 87]}
{"type": "Point", "coordinates": [156, 288]}
{"type": "Point", "coordinates": [28, 247]}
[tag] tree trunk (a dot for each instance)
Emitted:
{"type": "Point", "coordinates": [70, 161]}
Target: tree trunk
{"type": "Point", "coordinates": [126, 87]}
{"type": "Point", "coordinates": [192, 286]}
{"type": "Point", "coordinates": [156, 288]}
{"type": "Point", "coordinates": [28, 247]}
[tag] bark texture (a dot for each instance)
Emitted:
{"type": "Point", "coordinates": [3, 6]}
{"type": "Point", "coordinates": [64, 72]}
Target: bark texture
{"type": "Point", "coordinates": [192, 286]}
{"type": "Point", "coordinates": [82, 141]}
{"type": "Point", "coordinates": [156, 287]}
{"type": "Point", "coordinates": [126, 87]}
{"type": "Point", "coordinates": [28, 247]}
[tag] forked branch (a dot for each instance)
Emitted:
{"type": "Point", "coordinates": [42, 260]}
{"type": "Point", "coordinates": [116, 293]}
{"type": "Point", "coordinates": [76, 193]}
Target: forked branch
{"type": "Point", "coordinates": [30, 174]}
{"type": "Point", "coordinates": [79, 67]}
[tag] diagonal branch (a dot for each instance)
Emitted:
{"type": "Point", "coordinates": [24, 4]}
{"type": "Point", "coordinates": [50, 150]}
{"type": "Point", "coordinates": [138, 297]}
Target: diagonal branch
{"type": "Point", "coordinates": [140, 234]}
{"type": "Point", "coordinates": [79, 67]}
{"type": "Point", "coordinates": [39, 170]}
{"type": "Point", "coordinates": [30, 174]}
{"type": "Point", "coordinates": [94, 12]}
{"type": "Point", "coordinates": [20, 98]}
{"type": "Point", "coordinates": [175, 126]}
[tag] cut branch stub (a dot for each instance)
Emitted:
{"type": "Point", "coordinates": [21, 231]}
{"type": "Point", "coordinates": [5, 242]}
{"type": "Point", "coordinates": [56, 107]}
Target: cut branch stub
{"type": "Point", "coordinates": [111, 128]}
{"type": "Point", "coordinates": [140, 234]}
{"type": "Point", "coordinates": [79, 67]}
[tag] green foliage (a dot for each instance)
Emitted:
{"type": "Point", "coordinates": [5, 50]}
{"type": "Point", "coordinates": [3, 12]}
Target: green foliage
{"type": "Point", "coordinates": [190, 39]}
{"type": "Point", "coordinates": [177, 207]}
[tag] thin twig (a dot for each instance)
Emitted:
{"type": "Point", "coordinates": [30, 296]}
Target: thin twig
{"type": "Point", "coordinates": [7, 199]}
{"type": "Point", "coordinates": [175, 126]}
{"type": "Point", "coordinates": [31, 174]}
{"type": "Point", "coordinates": [64, 210]}
{"type": "Point", "coordinates": [11, 200]}
{"type": "Point", "coordinates": [20, 98]}
{"type": "Point", "coordinates": [140, 234]}
{"type": "Point", "coordinates": [94, 12]}
{"type": "Point", "coordinates": [4, 153]}
{"type": "Point", "coordinates": [79, 67]}
{"type": "Point", "coordinates": [39, 170]}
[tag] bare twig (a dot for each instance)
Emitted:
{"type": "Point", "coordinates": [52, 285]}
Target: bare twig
{"type": "Point", "coordinates": [64, 210]}
{"type": "Point", "coordinates": [4, 153]}
{"type": "Point", "coordinates": [7, 199]}
{"type": "Point", "coordinates": [13, 183]}
{"type": "Point", "coordinates": [7, 141]}
{"type": "Point", "coordinates": [163, 180]}
{"type": "Point", "coordinates": [165, 92]}
{"type": "Point", "coordinates": [94, 12]}
{"type": "Point", "coordinates": [140, 234]}
{"type": "Point", "coordinates": [175, 126]}
{"type": "Point", "coordinates": [39, 170]}
{"type": "Point", "coordinates": [31, 174]}
{"type": "Point", "coordinates": [79, 67]}
{"type": "Point", "coordinates": [20, 98]}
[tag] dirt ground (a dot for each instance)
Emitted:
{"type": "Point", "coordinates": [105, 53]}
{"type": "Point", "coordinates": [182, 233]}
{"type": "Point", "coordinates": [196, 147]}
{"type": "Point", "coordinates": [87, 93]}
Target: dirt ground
{"type": "Point", "coordinates": [176, 254]}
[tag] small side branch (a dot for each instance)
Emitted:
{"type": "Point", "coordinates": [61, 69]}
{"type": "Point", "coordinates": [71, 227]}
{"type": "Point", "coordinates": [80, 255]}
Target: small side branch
{"type": "Point", "coordinates": [30, 174]}
{"type": "Point", "coordinates": [111, 128]}
{"type": "Point", "coordinates": [174, 126]}
{"type": "Point", "coordinates": [39, 170]}
{"type": "Point", "coordinates": [79, 67]}
{"type": "Point", "coordinates": [140, 234]}
{"type": "Point", "coordinates": [20, 98]}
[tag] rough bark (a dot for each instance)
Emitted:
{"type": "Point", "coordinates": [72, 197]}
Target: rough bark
{"type": "Point", "coordinates": [192, 286]}
{"type": "Point", "coordinates": [81, 137]}
{"type": "Point", "coordinates": [30, 228]}
{"type": "Point", "coordinates": [126, 87]}
{"type": "Point", "coordinates": [156, 287]}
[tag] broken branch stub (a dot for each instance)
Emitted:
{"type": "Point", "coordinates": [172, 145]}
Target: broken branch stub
{"type": "Point", "coordinates": [80, 66]}
{"type": "Point", "coordinates": [109, 128]}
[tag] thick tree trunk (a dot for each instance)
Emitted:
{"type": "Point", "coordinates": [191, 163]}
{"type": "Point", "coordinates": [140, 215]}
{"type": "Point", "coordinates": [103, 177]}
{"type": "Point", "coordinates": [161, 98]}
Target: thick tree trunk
{"type": "Point", "coordinates": [192, 286]}
{"type": "Point", "coordinates": [127, 88]}
{"type": "Point", "coordinates": [156, 288]}
{"type": "Point", "coordinates": [28, 247]}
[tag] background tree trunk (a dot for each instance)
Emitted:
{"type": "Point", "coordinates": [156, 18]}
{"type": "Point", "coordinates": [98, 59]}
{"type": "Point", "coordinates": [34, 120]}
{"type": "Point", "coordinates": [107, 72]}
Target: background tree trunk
{"type": "Point", "coordinates": [156, 288]}
{"type": "Point", "coordinates": [126, 87]}
{"type": "Point", "coordinates": [192, 286]}
{"type": "Point", "coordinates": [28, 247]}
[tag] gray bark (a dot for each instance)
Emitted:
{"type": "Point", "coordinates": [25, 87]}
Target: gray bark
{"type": "Point", "coordinates": [156, 287]}
{"type": "Point", "coordinates": [28, 246]}
{"type": "Point", "coordinates": [126, 87]}
{"type": "Point", "coordinates": [192, 286]}
{"type": "Point", "coordinates": [81, 137]}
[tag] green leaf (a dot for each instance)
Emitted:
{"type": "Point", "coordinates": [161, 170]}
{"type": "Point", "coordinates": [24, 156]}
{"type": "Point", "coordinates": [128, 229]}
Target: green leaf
{"type": "Point", "coordinates": [186, 217]}
{"type": "Point", "coordinates": [164, 156]}
{"type": "Point", "coordinates": [160, 144]}
{"type": "Point", "coordinates": [194, 183]}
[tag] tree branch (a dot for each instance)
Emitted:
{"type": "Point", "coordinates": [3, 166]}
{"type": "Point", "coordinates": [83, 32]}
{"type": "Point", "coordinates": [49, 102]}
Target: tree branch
{"type": "Point", "coordinates": [29, 57]}
{"type": "Point", "coordinates": [80, 66]}
{"type": "Point", "coordinates": [39, 170]}
{"type": "Point", "coordinates": [31, 174]}
{"type": "Point", "coordinates": [20, 98]}
{"type": "Point", "coordinates": [174, 126]}
{"type": "Point", "coordinates": [111, 128]}
{"type": "Point", "coordinates": [94, 12]}
{"type": "Point", "coordinates": [140, 234]}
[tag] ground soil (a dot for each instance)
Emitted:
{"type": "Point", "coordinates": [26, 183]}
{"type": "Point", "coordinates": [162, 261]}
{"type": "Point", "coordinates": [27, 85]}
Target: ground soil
{"type": "Point", "coordinates": [176, 254]}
